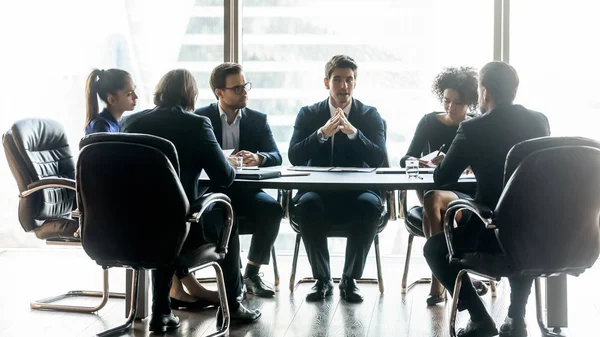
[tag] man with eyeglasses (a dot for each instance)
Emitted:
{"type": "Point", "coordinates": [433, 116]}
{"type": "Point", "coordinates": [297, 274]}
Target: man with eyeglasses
{"type": "Point", "coordinates": [247, 132]}
{"type": "Point", "coordinates": [339, 131]}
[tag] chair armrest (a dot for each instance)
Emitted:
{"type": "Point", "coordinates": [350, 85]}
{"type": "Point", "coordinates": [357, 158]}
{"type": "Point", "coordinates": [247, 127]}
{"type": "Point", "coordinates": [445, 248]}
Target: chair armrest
{"type": "Point", "coordinates": [481, 210]}
{"type": "Point", "coordinates": [48, 183]}
{"type": "Point", "coordinates": [484, 213]}
{"type": "Point", "coordinates": [216, 198]}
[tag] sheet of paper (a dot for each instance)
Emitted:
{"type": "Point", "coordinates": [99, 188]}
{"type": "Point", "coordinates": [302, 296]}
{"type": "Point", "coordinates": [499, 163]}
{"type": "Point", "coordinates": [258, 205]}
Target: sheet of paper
{"type": "Point", "coordinates": [428, 157]}
{"type": "Point", "coordinates": [227, 152]}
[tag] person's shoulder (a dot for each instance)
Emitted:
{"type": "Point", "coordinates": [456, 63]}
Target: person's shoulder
{"type": "Point", "coordinates": [535, 113]}
{"type": "Point", "coordinates": [205, 110]}
{"type": "Point", "coordinates": [364, 109]}
{"type": "Point", "coordinates": [134, 117]}
{"type": "Point", "coordinates": [314, 108]}
{"type": "Point", "coordinates": [251, 113]}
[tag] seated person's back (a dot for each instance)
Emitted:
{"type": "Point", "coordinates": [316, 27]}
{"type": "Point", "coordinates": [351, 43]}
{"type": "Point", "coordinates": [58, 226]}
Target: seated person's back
{"type": "Point", "coordinates": [194, 139]}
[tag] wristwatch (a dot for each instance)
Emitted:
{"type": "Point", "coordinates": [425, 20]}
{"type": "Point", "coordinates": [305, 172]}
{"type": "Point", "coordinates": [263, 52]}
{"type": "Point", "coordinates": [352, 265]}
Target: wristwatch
{"type": "Point", "coordinates": [321, 136]}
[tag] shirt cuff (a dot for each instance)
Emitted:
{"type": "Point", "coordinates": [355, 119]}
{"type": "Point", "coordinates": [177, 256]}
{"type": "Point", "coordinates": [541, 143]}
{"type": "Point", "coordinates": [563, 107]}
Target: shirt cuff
{"type": "Point", "coordinates": [354, 135]}
{"type": "Point", "coordinates": [264, 158]}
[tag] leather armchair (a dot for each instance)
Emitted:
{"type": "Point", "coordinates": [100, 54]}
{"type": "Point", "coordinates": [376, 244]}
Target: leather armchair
{"type": "Point", "coordinates": [40, 160]}
{"type": "Point", "coordinates": [546, 220]}
{"type": "Point", "coordinates": [135, 214]}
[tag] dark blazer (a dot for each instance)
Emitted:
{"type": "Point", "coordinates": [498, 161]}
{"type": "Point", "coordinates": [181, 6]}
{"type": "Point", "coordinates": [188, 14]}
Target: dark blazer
{"type": "Point", "coordinates": [194, 140]}
{"type": "Point", "coordinates": [255, 132]}
{"type": "Point", "coordinates": [483, 143]}
{"type": "Point", "coordinates": [366, 150]}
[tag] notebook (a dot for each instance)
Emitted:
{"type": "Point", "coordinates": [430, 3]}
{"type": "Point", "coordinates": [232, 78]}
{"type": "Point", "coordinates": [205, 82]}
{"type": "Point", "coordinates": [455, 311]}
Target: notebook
{"type": "Point", "coordinates": [257, 174]}
{"type": "Point", "coordinates": [310, 168]}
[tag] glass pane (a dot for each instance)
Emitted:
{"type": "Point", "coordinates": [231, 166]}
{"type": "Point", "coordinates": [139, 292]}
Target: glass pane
{"type": "Point", "coordinates": [48, 58]}
{"type": "Point", "coordinates": [557, 62]}
{"type": "Point", "coordinates": [399, 46]}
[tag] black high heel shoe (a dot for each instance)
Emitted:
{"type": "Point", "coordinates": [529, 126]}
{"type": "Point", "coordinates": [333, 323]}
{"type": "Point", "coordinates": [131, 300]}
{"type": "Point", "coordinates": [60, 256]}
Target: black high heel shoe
{"type": "Point", "coordinates": [198, 305]}
{"type": "Point", "coordinates": [437, 298]}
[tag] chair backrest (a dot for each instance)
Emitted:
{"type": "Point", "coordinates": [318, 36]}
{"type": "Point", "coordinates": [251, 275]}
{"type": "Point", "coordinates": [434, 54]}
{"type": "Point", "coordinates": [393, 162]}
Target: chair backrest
{"type": "Point", "coordinates": [525, 148]}
{"type": "Point", "coordinates": [36, 149]}
{"type": "Point", "coordinates": [133, 207]}
{"type": "Point", "coordinates": [548, 214]}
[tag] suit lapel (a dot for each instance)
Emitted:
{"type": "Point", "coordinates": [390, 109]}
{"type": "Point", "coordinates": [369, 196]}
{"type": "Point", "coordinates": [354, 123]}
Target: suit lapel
{"type": "Point", "coordinates": [244, 125]}
{"type": "Point", "coordinates": [215, 119]}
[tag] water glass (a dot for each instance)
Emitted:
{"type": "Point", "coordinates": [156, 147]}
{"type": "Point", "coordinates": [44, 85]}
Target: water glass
{"type": "Point", "coordinates": [412, 168]}
{"type": "Point", "coordinates": [240, 162]}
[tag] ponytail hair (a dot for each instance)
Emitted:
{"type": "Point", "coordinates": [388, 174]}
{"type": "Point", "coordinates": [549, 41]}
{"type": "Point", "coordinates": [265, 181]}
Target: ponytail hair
{"type": "Point", "coordinates": [101, 83]}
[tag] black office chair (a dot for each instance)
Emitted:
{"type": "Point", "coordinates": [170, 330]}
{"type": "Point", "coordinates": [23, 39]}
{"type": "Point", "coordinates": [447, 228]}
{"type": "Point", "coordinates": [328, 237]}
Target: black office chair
{"type": "Point", "coordinates": [134, 212]}
{"type": "Point", "coordinates": [389, 212]}
{"type": "Point", "coordinates": [40, 159]}
{"type": "Point", "coordinates": [546, 221]}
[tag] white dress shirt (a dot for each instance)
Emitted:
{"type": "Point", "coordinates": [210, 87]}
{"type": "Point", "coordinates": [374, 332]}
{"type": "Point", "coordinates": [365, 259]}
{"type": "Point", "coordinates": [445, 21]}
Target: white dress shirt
{"type": "Point", "coordinates": [230, 132]}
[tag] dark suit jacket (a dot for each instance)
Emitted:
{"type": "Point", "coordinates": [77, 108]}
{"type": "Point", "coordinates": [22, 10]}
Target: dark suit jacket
{"type": "Point", "coordinates": [255, 133]}
{"type": "Point", "coordinates": [194, 140]}
{"type": "Point", "coordinates": [366, 150]}
{"type": "Point", "coordinates": [483, 143]}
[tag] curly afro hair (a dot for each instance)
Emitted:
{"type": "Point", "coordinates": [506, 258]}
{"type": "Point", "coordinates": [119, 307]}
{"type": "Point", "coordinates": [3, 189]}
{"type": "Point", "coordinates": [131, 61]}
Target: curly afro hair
{"type": "Point", "coordinates": [463, 80]}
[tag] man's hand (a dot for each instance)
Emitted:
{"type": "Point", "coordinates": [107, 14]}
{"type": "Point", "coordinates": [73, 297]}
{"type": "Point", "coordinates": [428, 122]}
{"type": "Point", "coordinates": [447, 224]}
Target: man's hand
{"type": "Point", "coordinates": [250, 159]}
{"type": "Point", "coordinates": [345, 125]}
{"type": "Point", "coordinates": [233, 161]}
{"type": "Point", "coordinates": [438, 159]}
{"type": "Point", "coordinates": [332, 126]}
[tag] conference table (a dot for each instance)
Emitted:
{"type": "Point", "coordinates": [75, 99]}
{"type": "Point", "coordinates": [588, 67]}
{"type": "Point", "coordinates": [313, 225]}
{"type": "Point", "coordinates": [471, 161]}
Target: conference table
{"type": "Point", "coordinates": [339, 179]}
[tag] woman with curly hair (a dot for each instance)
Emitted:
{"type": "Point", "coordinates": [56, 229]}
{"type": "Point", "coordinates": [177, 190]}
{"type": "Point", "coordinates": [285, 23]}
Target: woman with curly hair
{"type": "Point", "coordinates": [456, 89]}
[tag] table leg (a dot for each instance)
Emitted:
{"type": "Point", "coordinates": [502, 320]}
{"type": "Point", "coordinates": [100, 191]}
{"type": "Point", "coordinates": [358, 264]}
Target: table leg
{"type": "Point", "coordinates": [556, 301]}
{"type": "Point", "coordinates": [143, 301]}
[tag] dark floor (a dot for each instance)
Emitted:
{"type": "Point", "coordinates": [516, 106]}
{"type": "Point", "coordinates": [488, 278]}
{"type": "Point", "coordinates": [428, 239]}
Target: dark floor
{"type": "Point", "coordinates": [30, 274]}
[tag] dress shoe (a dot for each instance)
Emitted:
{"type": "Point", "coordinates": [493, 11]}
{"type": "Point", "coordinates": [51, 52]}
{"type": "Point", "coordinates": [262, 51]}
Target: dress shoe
{"type": "Point", "coordinates": [513, 327]}
{"type": "Point", "coordinates": [240, 315]}
{"type": "Point", "coordinates": [162, 323]}
{"type": "Point", "coordinates": [349, 290]}
{"type": "Point", "coordinates": [437, 298]}
{"type": "Point", "coordinates": [256, 286]}
{"type": "Point", "coordinates": [485, 328]}
{"type": "Point", "coordinates": [322, 288]}
{"type": "Point", "coordinates": [197, 305]}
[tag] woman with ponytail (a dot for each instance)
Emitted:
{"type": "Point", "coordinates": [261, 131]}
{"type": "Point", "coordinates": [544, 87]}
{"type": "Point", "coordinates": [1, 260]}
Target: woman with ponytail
{"type": "Point", "coordinates": [116, 89]}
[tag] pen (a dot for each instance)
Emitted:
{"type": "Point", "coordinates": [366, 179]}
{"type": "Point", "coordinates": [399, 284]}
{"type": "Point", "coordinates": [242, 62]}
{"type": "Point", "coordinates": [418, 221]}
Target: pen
{"type": "Point", "coordinates": [440, 150]}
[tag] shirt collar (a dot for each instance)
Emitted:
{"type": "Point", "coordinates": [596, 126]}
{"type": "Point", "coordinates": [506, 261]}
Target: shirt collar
{"type": "Point", "coordinates": [333, 109]}
{"type": "Point", "coordinates": [223, 115]}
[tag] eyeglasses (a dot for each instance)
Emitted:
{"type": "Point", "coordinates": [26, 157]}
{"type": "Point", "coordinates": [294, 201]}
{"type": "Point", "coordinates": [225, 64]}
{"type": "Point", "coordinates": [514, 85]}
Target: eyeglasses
{"type": "Point", "coordinates": [239, 88]}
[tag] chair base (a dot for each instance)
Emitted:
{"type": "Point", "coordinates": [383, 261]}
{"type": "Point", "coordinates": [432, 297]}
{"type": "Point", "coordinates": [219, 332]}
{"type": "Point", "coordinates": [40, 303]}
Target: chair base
{"type": "Point", "coordinates": [556, 332]}
{"type": "Point", "coordinates": [132, 311]}
{"type": "Point", "coordinates": [48, 303]}
{"type": "Point", "coordinates": [378, 280]}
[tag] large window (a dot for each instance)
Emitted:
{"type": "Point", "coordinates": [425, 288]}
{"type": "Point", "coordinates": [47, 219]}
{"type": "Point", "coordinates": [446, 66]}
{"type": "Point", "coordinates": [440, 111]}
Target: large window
{"type": "Point", "coordinates": [557, 58]}
{"type": "Point", "coordinates": [49, 48]}
{"type": "Point", "coordinates": [399, 47]}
